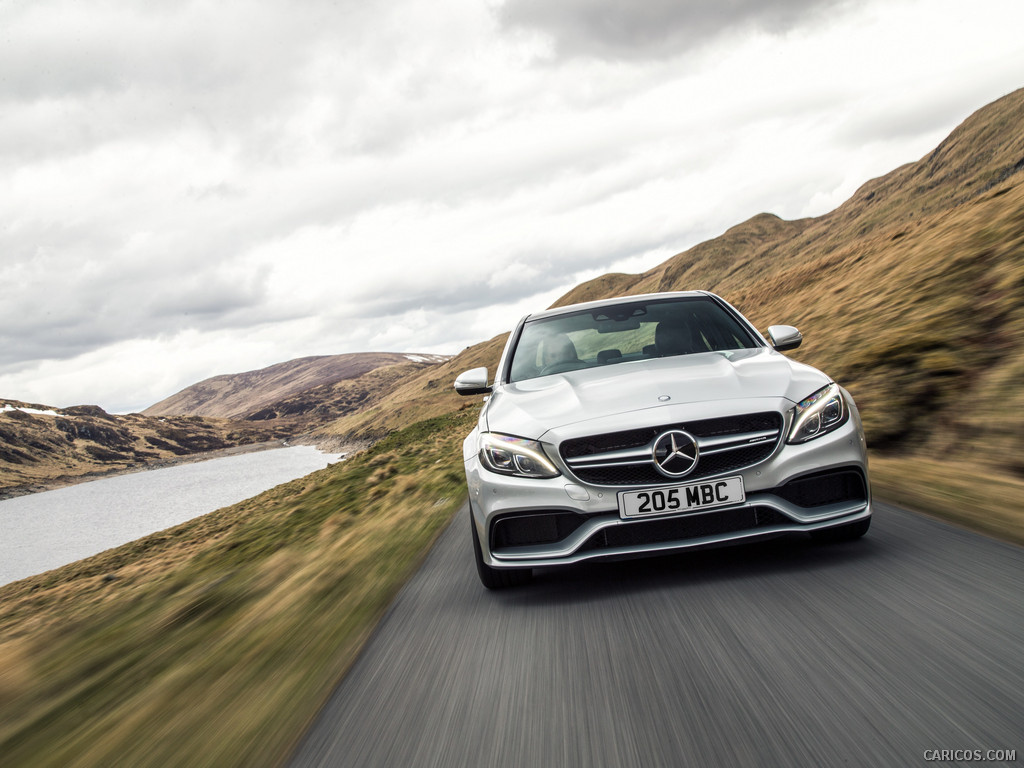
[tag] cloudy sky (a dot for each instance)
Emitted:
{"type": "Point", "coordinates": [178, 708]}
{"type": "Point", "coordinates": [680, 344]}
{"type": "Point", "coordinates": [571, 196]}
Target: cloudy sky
{"type": "Point", "coordinates": [195, 188]}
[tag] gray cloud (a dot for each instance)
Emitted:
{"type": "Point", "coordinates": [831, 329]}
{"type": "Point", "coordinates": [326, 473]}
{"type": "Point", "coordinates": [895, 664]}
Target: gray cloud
{"type": "Point", "coordinates": [57, 308]}
{"type": "Point", "coordinates": [216, 186]}
{"type": "Point", "coordinates": [527, 274]}
{"type": "Point", "coordinates": [78, 76]}
{"type": "Point", "coordinates": [652, 29]}
{"type": "Point", "coordinates": [935, 104]}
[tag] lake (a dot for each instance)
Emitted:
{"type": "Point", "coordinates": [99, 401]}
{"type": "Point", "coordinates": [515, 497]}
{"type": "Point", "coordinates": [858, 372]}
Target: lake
{"type": "Point", "coordinates": [46, 530]}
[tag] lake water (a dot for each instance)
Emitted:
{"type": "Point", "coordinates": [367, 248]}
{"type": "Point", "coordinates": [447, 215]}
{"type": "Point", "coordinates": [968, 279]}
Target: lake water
{"type": "Point", "coordinates": [45, 530]}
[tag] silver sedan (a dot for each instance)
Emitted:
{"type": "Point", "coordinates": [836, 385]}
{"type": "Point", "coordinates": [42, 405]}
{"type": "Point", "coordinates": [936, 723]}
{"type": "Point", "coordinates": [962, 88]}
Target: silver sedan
{"type": "Point", "coordinates": [649, 424]}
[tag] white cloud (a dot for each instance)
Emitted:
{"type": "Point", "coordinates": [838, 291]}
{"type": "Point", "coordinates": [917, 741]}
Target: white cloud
{"type": "Point", "coordinates": [205, 188]}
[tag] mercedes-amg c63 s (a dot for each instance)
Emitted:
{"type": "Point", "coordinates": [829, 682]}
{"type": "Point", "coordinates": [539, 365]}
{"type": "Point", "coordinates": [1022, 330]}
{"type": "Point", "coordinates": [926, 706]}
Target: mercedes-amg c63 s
{"type": "Point", "coordinates": [649, 424]}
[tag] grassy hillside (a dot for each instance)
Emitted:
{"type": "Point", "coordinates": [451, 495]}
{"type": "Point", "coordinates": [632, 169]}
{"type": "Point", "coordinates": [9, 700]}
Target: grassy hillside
{"type": "Point", "coordinates": [912, 317]}
{"type": "Point", "coordinates": [326, 404]}
{"type": "Point", "coordinates": [423, 395]}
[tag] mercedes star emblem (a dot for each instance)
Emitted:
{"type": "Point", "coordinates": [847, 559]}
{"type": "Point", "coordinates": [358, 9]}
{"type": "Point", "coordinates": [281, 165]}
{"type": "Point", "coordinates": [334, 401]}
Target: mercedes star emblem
{"type": "Point", "coordinates": [675, 453]}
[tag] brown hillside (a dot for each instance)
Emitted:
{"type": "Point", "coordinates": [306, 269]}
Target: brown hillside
{"type": "Point", "coordinates": [911, 294]}
{"type": "Point", "coordinates": [327, 403]}
{"type": "Point", "coordinates": [239, 395]}
{"type": "Point", "coordinates": [424, 395]}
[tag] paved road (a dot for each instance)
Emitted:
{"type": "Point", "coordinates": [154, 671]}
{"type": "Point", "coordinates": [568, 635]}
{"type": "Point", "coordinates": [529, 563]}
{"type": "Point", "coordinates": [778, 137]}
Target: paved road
{"type": "Point", "coordinates": [865, 653]}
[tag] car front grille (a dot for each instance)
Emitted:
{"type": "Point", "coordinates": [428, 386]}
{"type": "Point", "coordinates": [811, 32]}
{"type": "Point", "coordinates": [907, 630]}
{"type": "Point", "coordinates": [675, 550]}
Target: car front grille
{"type": "Point", "coordinates": [626, 458]}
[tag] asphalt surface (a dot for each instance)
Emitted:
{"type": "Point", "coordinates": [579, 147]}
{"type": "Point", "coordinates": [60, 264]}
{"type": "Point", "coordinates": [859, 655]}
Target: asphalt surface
{"type": "Point", "coordinates": [783, 653]}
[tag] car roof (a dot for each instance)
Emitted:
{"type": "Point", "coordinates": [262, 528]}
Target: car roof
{"type": "Point", "coordinates": [584, 306]}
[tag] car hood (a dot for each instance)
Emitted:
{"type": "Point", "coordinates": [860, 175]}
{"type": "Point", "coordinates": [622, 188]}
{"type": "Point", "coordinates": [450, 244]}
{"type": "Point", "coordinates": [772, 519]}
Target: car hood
{"type": "Point", "coordinates": [533, 407]}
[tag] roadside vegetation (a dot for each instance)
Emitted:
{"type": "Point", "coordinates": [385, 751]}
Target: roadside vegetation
{"type": "Point", "coordinates": [215, 642]}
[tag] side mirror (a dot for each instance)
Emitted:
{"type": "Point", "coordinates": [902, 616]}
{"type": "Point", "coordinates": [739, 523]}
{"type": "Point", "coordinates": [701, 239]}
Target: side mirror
{"type": "Point", "coordinates": [472, 382]}
{"type": "Point", "coordinates": [784, 337]}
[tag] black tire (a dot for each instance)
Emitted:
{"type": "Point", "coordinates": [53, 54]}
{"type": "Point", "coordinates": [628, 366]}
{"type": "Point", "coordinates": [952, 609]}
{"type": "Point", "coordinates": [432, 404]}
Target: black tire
{"type": "Point", "coordinates": [847, 532]}
{"type": "Point", "coordinates": [496, 578]}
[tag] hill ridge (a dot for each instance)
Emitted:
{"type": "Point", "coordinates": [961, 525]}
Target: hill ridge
{"type": "Point", "coordinates": [911, 293]}
{"type": "Point", "coordinates": [237, 395]}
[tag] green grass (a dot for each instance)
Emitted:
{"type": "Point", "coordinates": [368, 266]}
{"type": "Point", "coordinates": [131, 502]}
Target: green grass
{"type": "Point", "coordinates": [215, 642]}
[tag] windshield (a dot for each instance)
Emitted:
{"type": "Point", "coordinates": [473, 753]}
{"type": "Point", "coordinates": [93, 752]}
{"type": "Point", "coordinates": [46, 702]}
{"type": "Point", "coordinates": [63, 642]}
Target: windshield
{"type": "Point", "coordinates": [623, 332]}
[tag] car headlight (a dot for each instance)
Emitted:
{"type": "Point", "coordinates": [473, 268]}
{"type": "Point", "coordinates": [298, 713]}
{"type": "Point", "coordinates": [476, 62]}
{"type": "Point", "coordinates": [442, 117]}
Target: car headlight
{"type": "Point", "coordinates": [818, 414]}
{"type": "Point", "coordinates": [515, 456]}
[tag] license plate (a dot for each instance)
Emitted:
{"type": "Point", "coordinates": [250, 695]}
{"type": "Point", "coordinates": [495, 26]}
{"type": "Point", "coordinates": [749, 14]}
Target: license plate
{"type": "Point", "coordinates": [681, 498]}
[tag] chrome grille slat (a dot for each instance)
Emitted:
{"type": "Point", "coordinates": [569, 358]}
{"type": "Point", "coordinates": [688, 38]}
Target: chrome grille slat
{"type": "Point", "coordinates": [711, 444]}
{"type": "Point", "coordinates": [613, 457]}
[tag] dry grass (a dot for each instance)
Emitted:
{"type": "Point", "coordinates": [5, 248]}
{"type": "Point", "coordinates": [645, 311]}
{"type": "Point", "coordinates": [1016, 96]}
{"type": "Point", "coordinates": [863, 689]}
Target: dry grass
{"type": "Point", "coordinates": [970, 496]}
{"type": "Point", "coordinates": [214, 642]}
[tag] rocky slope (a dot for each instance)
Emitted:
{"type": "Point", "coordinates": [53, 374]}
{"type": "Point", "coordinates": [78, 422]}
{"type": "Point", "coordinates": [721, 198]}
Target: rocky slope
{"type": "Point", "coordinates": [42, 447]}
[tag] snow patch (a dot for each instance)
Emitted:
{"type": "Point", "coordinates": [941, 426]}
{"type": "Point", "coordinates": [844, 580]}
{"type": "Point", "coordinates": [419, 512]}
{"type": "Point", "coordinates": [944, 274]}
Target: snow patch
{"type": "Point", "coordinates": [33, 411]}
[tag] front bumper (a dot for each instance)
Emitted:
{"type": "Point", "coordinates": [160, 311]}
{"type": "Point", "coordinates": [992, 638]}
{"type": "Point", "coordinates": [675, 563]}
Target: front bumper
{"type": "Point", "coordinates": [529, 523]}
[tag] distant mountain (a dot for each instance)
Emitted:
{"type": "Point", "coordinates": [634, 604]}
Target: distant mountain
{"type": "Point", "coordinates": [42, 447]}
{"type": "Point", "coordinates": [241, 395]}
